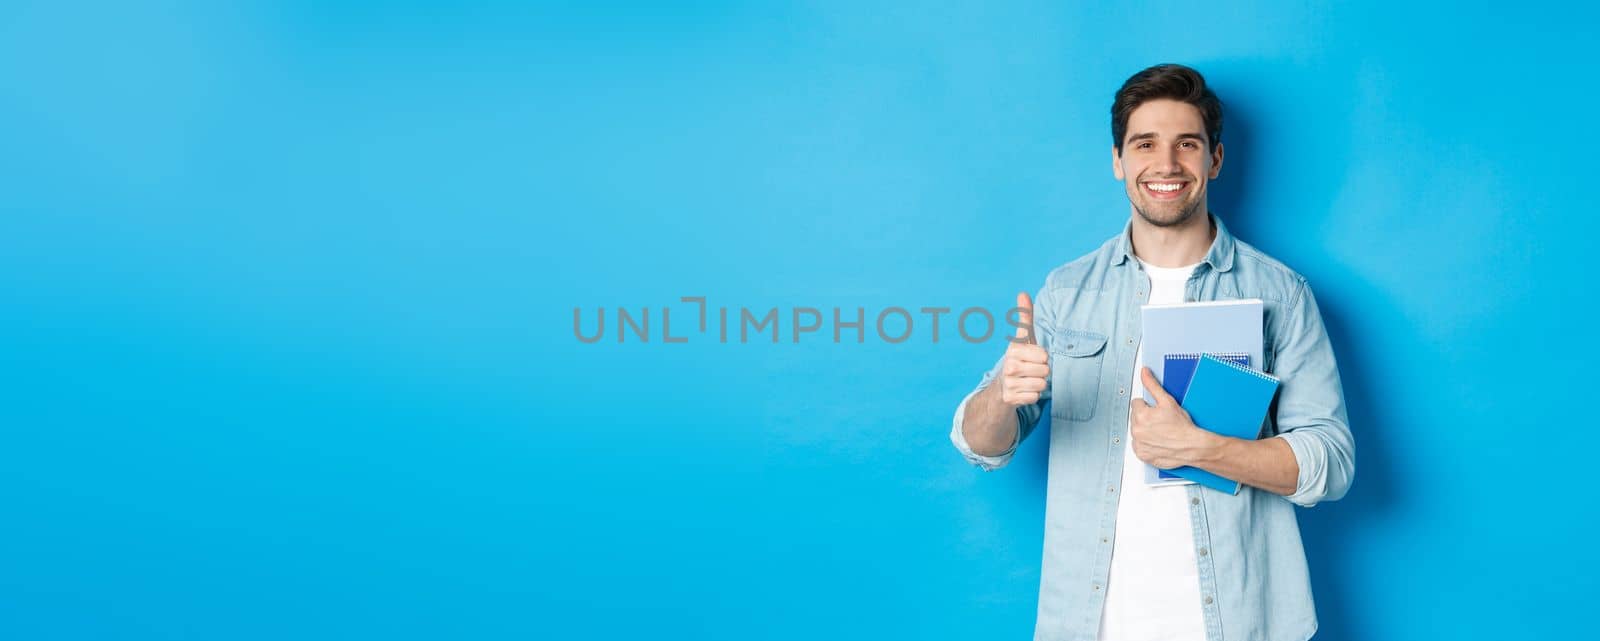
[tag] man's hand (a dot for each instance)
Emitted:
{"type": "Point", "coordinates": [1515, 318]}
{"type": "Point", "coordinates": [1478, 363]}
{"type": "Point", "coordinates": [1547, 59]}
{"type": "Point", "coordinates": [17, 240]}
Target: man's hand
{"type": "Point", "coordinates": [1026, 366]}
{"type": "Point", "coordinates": [1163, 434]}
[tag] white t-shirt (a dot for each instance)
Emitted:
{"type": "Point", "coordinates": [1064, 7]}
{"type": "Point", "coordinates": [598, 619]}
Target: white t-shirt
{"type": "Point", "coordinates": [1153, 591]}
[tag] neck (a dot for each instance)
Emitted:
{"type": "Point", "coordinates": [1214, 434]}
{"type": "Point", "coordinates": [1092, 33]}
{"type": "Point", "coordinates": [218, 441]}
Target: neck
{"type": "Point", "coordinates": [1176, 246]}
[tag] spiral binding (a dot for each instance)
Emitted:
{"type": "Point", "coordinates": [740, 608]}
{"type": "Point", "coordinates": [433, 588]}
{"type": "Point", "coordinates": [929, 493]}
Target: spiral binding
{"type": "Point", "coordinates": [1261, 375]}
{"type": "Point", "coordinates": [1194, 356]}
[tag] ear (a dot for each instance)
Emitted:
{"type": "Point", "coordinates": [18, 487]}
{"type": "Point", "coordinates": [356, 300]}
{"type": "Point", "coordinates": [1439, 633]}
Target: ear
{"type": "Point", "coordinates": [1116, 163]}
{"type": "Point", "coordinates": [1216, 162]}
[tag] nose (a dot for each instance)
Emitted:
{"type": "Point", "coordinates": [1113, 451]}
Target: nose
{"type": "Point", "coordinates": [1168, 163]}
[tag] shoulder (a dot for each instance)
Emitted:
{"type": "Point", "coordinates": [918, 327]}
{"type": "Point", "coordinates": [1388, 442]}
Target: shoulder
{"type": "Point", "coordinates": [1268, 276]}
{"type": "Point", "coordinates": [1087, 272]}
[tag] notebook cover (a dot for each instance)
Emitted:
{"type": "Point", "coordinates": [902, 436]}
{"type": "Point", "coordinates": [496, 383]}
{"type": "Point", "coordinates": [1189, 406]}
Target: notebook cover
{"type": "Point", "coordinates": [1228, 399]}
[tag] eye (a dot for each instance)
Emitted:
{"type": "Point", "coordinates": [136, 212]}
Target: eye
{"type": "Point", "coordinates": [1145, 145]}
{"type": "Point", "coordinates": [1189, 144]}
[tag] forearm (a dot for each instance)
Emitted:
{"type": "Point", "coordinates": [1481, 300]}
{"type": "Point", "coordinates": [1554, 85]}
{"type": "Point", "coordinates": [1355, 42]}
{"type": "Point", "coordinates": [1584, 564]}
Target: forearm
{"type": "Point", "coordinates": [1268, 463]}
{"type": "Point", "coordinates": [989, 424]}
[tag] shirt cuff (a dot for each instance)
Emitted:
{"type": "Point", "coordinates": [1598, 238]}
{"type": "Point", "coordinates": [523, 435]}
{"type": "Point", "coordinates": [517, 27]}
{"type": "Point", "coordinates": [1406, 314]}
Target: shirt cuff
{"type": "Point", "coordinates": [988, 463]}
{"type": "Point", "coordinates": [1310, 486]}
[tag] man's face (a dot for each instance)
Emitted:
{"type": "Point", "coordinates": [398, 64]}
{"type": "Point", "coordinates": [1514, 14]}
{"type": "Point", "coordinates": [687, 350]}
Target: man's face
{"type": "Point", "coordinates": [1164, 164]}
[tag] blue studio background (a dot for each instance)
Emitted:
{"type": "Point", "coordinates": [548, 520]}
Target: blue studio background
{"type": "Point", "coordinates": [287, 293]}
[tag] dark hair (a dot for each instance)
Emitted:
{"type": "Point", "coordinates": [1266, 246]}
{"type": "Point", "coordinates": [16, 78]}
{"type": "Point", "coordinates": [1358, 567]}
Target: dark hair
{"type": "Point", "coordinates": [1172, 82]}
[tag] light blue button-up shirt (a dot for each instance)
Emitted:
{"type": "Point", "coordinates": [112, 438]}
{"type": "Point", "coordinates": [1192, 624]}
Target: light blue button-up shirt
{"type": "Point", "coordinates": [1253, 579]}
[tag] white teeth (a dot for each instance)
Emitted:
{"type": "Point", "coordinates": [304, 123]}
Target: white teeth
{"type": "Point", "coordinates": [1165, 186]}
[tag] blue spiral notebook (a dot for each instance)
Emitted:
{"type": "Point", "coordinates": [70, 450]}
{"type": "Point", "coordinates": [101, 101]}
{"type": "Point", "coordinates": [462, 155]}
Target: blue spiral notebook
{"type": "Point", "coordinates": [1231, 400]}
{"type": "Point", "coordinates": [1175, 378]}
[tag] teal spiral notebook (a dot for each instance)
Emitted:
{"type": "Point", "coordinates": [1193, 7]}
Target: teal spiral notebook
{"type": "Point", "coordinates": [1231, 400]}
{"type": "Point", "coordinates": [1179, 370]}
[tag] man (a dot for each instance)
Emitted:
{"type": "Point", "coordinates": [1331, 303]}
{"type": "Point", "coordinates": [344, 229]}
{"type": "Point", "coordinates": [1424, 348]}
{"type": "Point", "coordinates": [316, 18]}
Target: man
{"type": "Point", "coordinates": [1127, 561]}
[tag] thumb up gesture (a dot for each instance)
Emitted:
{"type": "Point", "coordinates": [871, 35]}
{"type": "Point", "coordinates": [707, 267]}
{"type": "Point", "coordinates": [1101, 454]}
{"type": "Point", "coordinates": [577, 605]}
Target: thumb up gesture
{"type": "Point", "coordinates": [1026, 366]}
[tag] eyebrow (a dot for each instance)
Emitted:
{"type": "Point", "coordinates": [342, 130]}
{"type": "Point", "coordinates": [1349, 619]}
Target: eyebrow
{"type": "Point", "coordinates": [1150, 135]}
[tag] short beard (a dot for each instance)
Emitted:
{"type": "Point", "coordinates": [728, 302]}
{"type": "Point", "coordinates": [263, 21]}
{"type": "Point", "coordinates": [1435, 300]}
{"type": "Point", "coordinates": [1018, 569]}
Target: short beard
{"type": "Point", "coordinates": [1183, 216]}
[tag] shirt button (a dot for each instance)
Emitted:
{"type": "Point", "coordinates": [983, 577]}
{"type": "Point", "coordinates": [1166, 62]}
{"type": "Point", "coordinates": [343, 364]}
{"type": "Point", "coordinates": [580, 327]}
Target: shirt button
{"type": "Point", "coordinates": [1097, 587]}
{"type": "Point", "coordinates": [1116, 440]}
{"type": "Point", "coordinates": [1203, 552]}
{"type": "Point", "coordinates": [1208, 600]}
{"type": "Point", "coordinates": [1122, 391]}
{"type": "Point", "coordinates": [1111, 489]}
{"type": "Point", "coordinates": [1130, 341]}
{"type": "Point", "coordinates": [1194, 501]}
{"type": "Point", "coordinates": [1104, 540]}
{"type": "Point", "coordinates": [1070, 346]}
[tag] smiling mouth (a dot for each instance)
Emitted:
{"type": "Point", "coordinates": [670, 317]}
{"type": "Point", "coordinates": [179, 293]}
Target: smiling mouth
{"type": "Point", "coordinates": [1164, 189]}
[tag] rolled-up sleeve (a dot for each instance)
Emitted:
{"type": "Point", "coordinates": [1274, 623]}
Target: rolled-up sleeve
{"type": "Point", "coordinates": [1311, 415]}
{"type": "Point", "coordinates": [988, 463]}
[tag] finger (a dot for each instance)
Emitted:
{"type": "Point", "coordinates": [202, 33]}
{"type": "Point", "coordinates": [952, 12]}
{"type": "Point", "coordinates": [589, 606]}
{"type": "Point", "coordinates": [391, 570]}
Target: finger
{"type": "Point", "coordinates": [1024, 318]}
{"type": "Point", "coordinates": [1027, 353]}
{"type": "Point", "coordinates": [1137, 403]}
{"type": "Point", "coordinates": [1157, 392]}
{"type": "Point", "coordinates": [1027, 384]}
{"type": "Point", "coordinates": [1023, 398]}
{"type": "Point", "coordinates": [1031, 370]}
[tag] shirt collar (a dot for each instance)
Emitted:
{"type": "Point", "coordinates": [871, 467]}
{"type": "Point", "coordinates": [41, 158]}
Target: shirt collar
{"type": "Point", "coordinates": [1219, 257]}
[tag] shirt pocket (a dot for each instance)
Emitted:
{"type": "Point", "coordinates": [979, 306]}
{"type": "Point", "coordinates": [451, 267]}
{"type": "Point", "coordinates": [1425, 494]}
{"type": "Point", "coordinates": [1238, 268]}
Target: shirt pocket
{"type": "Point", "coordinates": [1075, 360]}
